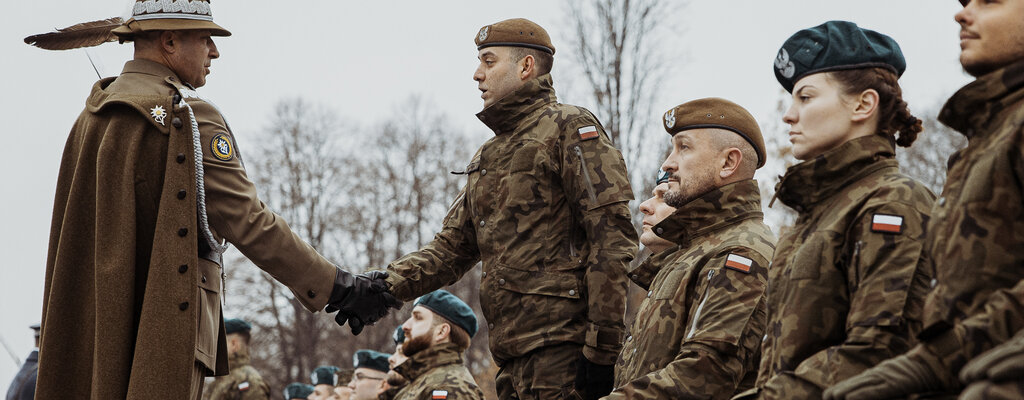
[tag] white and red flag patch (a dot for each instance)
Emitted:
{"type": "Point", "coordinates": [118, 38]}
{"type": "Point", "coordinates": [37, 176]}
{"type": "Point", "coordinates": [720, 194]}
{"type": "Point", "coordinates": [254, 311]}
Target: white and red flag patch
{"type": "Point", "coordinates": [243, 386]}
{"type": "Point", "coordinates": [588, 132]}
{"type": "Point", "coordinates": [887, 223]}
{"type": "Point", "coordinates": [739, 263]}
{"type": "Point", "coordinates": [439, 394]}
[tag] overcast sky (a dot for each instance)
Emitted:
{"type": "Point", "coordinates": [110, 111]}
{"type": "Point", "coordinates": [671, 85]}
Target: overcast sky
{"type": "Point", "coordinates": [362, 58]}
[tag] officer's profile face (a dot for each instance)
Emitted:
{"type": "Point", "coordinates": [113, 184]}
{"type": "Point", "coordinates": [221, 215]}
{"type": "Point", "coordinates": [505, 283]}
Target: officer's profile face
{"type": "Point", "coordinates": [691, 167]}
{"type": "Point", "coordinates": [193, 53]}
{"type": "Point", "coordinates": [991, 34]}
{"type": "Point", "coordinates": [497, 75]}
{"type": "Point", "coordinates": [819, 118]}
{"type": "Point", "coordinates": [321, 392]}
{"type": "Point", "coordinates": [655, 210]}
{"type": "Point", "coordinates": [366, 383]}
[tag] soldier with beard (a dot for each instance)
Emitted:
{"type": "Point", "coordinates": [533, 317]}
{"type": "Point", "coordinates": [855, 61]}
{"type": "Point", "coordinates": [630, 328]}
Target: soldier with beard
{"type": "Point", "coordinates": [436, 336]}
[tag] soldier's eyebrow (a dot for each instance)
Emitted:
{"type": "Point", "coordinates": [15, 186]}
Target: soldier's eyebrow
{"type": "Point", "coordinates": [801, 89]}
{"type": "Point", "coordinates": [486, 54]}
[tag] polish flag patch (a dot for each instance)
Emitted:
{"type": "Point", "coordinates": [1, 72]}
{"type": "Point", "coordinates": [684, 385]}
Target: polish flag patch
{"type": "Point", "coordinates": [739, 263]}
{"type": "Point", "coordinates": [439, 394]}
{"type": "Point", "coordinates": [243, 386]}
{"type": "Point", "coordinates": [887, 223]}
{"type": "Point", "coordinates": [588, 132]}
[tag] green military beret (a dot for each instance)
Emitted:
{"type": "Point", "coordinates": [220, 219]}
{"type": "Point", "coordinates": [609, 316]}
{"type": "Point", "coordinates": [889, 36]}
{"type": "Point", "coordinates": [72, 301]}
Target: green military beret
{"type": "Point", "coordinates": [398, 336]}
{"type": "Point", "coordinates": [370, 359]}
{"type": "Point", "coordinates": [451, 308]}
{"type": "Point", "coordinates": [297, 390]}
{"type": "Point", "coordinates": [325, 375]}
{"type": "Point", "coordinates": [713, 112]}
{"type": "Point", "coordinates": [516, 32]}
{"type": "Point", "coordinates": [835, 45]}
{"type": "Point", "coordinates": [235, 325]}
{"type": "Point", "coordinates": [662, 177]}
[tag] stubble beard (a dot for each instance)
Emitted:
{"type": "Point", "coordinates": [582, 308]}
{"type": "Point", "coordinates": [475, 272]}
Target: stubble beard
{"type": "Point", "coordinates": [689, 189]}
{"type": "Point", "coordinates": [416, 344]}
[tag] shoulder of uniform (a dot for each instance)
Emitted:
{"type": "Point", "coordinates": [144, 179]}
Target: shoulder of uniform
{"type": "Point", "coordinates": [186, 92]}
{"type": "Point", "coordinates": [747, 259]}
{"type": "Point", "coordinates": [154, 108]}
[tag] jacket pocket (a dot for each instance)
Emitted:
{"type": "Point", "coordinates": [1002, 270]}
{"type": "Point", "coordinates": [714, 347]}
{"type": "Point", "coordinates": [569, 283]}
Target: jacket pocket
{"type": "Point", "coordinates": [543, 283]}
{"type": "Point", "coordinates": [813, 255]}
{"type": "Point", "coordinates": [209, 311]}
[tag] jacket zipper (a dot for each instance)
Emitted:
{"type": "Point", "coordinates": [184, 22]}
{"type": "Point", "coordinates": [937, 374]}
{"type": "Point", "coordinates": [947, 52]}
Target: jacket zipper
{"type": "Point", "coordinates": [696, 315]}
{"type": "Point", "coordinates": [586, 175]}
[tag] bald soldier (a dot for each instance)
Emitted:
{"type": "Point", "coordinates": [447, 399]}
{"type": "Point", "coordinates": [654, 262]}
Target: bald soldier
{"type": "Point", "coordinates": [150, 186]}
{"type": "Point", "coordinates": [545, 209]}
{"type": "Point", "coordinates": [698, 333]}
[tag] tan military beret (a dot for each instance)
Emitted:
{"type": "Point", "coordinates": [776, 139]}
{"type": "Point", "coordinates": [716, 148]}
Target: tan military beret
{"type": "Point", "coordinates": [516, 32]}
{"type": "Point", "coordinates": [719, 113]}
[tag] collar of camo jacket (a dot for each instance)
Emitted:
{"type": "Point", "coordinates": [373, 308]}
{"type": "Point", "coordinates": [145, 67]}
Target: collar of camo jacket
{"type": "Point", "coordinates": [975, 105]}
{"type": "Point", "coordinates": [437, 355]}
{"type": "Point", "coordinates": [713, 211]}
{"type": "Point", "coordinates": [807, 184]}
{"type": "Point", "coordinates": [238, 359]}
{"type": "Point", "coordinates": [504, 116]}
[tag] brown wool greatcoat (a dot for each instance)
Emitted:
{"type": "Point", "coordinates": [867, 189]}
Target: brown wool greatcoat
{"type": "Point", "coordinates": [129, 307]}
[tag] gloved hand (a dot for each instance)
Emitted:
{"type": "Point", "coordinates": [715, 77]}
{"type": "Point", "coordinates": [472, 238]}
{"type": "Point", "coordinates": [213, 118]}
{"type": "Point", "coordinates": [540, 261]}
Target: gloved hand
{"type": "Point", "coordinates": [1001, 363]}
{"type": "Point", "coordinates": [360, 299]}
{"type": "Point", "coordinates": [593, 381]}
{"type": "Point", "coordinates": [917, 371]}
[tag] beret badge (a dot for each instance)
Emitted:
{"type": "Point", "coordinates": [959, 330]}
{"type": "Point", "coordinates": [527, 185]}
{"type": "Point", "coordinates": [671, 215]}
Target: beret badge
{"type": "Point", "coordinates": [670, 118]}
{"type": "Point", "coordinates": [784, 65]}
{"type": "Point", "coordinates": [483, 32]}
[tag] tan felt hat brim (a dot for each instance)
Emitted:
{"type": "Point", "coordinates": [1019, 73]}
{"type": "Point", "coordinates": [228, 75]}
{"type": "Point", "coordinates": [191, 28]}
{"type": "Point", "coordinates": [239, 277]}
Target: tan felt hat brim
{"type": "Point", "coordinates": [168, 24]}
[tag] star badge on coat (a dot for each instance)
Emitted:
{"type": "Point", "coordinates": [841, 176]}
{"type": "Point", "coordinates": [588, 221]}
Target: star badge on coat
{"type": "Point", "coordinates": [158, 114]}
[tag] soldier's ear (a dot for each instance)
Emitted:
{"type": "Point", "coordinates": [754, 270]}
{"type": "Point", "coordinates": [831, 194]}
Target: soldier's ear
{"type": "Point", "coordinates": [527, 67]}
{"type": "Point", "coordinates": [167, 41]}
{"type": "Point", "coordinates": [865, 105]}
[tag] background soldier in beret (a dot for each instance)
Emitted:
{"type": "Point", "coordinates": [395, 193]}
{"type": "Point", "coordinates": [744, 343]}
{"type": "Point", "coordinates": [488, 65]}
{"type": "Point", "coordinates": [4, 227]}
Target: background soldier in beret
{"type": "Point", "coordinates": [437, 334]}
{"type": "Point", "coordinates": [847, 285]}
{"type": "Point", "coordinates": [23, 387]}
{"type": "Point", "coordinates": [150, 185]}
{"type": "Point", "coordinates": [698, 332]}
{"type": "Point", "coordinates": [545, 209]}
{"type": "Point", "coordinates": [243, 382]}
{"type": "Point", "coordinates": [324, 378]}
{"type": "Point", "coordinates": [297, 391]}
{"type": "Point", "coordinates": [976, 233]}
{"type": "Point", "coordinates": [394, 379]}
{"type": "Point", "coordinates": [368, 380]}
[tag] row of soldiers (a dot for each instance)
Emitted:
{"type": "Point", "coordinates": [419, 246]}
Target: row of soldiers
{"type": "Point", "coordinates": [427, 362]}
{"type": "Point", "coordinates": [879, 289]}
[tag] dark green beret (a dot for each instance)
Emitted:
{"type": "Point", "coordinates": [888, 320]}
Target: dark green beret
{"type": "Point", "coordinates": [325, 375]}
{"type": "Point", "coordinates": [451, 308]}
{"type": "Point", "coordinates": [662, 177]}
{"type": "Point", "coordinates": [398, 336]}
{"type": "Point", "coordinates": [235, 325]}
{"type": "Point", "coordinates": [832, 46]}
{"type": "Point", "coordinates": [370, 359]}
{"type": "Point", "coordinates": [713, 112]}
{"type": "Point", "coordinates": [297, 391]}
{"type": "Point", "coordinates": [516, 32]}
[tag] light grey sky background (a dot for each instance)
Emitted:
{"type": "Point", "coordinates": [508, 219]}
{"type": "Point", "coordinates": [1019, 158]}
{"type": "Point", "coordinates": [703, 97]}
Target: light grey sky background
{"type": "Point", "coordinates": [362, 58]}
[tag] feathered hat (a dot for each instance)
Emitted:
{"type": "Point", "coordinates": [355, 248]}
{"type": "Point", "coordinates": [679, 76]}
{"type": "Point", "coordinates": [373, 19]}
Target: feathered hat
{"type": "Point", "coordinates": [147, 15]}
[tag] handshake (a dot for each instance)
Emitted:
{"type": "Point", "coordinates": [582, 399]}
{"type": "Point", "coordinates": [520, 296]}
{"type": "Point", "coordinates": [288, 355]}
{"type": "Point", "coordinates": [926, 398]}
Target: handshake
{"type": "Point", "coordinates": [360, 299]}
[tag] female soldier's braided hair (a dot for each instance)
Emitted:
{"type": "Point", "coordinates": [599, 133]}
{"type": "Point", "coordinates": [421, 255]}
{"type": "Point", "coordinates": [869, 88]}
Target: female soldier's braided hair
{"type": "Point", "coordinates": [893, 115]}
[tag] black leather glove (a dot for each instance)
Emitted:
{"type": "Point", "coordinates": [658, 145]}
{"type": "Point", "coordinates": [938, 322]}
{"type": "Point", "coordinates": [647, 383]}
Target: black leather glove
{"type": "Point", "coordinates": [917, 371]}
{"type": "Point", "coordinates": [1001, 363]}
{"type": "Point", "coordinates": [360, 300]}
{"type": "Point", "coordinates": [593, 381]}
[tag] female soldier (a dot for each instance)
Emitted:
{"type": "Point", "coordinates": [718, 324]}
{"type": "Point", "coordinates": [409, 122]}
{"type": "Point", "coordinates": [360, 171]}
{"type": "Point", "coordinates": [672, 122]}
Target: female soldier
{"type": "Point", "coordinates": [846, 286]}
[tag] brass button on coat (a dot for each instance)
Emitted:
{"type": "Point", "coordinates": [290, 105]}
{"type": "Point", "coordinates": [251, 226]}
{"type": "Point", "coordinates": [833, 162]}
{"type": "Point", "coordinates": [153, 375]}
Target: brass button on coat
{"type": "Point", "coordinates": [180, 158]}
{"type": "Point", "coordinates": [176, 122]}
{"type": "Point", "coordinates": [182, 269]}
{"type": "Point", "coordinates": [183, 306]}
{"type": "Point", "coordinates": [182, 232]}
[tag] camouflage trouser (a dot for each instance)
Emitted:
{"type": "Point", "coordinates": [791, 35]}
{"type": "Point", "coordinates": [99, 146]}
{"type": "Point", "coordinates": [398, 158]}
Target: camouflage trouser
{"type": "Point", "coordinates": [985, 390]}
{"type": "Point", "coordinates": [546, 373]}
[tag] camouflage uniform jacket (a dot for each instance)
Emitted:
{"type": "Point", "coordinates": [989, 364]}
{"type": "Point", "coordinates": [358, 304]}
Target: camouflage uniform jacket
{"type": "Point", "coordinates": [242, 383]}
{"type": "Point", "coordinates": [848, 281]}
{"type": "Point", "coordinates": [545, 209]}
{"type": "Point", "coordinates": [437, 373]}
{"type": "Point", "coordinates": [976, 235]}
{"type": "Point", "coordinates": [698, 332]}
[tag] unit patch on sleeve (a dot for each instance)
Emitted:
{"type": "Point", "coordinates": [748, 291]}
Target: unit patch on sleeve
{"type": "Point", "coordinates": [221, 147]}
{"type": "Point", "coordinates": [439, 394]}
{"type": "Point", "coordinates": [739, 263]}
{"type": "Point", "coordinates": [887, 223]}
{"type": "Point", "coordinates": [243, 386]}
{"type": "Point", "coordinates": [588, 132]}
